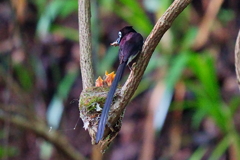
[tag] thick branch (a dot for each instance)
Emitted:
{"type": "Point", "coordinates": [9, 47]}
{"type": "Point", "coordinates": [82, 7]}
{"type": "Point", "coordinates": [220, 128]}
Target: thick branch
{"type": "Point", "coordinates": [162, 25]}
{"type": "Point", "coordinates": [237, 58]}
{"type": "Point", "coordinates": [85, 43]}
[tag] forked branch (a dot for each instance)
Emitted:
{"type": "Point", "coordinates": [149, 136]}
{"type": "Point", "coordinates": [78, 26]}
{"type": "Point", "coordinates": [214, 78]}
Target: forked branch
{"type": "Point", "coordinates": [90, 117]}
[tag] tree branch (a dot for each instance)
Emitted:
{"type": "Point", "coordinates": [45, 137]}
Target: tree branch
{"type": "Point", "coordinates": [162, 25]}
{"type": "Point", "coordinates": [40, 129]}
{"type": "Point", "coordinates": [237, 58]}
{"type": "Point", "coordinates": [121, 99]}
{"type": "Point", "coordinates": [84, 15]}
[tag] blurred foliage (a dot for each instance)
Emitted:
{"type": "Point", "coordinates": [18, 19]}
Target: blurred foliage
{"type": "Point", "coordinates": [8, 152]}
{"type": "Point", "coordinates": [174, 59]}
{"type": "Point", "coordinates": [207, 102]}
{"type": "Point", "coordinates": [50, 10]}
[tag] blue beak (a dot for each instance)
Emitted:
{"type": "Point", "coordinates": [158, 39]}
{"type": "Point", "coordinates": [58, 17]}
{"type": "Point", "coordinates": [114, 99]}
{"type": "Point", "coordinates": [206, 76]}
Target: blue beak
{"type": "Point", "coordinates": [116, 43]}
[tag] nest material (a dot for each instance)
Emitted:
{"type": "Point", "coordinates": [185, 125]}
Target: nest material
{"type": "Point", "coordinates": [90, 107]}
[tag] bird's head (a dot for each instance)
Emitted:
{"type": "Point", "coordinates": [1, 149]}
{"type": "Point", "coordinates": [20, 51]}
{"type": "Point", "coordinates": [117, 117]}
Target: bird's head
{"type": "Point", "coordinates": [123, 32]}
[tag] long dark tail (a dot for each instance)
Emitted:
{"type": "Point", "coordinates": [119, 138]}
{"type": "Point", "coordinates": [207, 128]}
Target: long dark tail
{"type": "Point", "coordinates": [108, 102]}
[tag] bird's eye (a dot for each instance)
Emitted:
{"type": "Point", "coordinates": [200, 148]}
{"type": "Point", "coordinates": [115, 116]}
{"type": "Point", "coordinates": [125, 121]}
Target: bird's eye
{"type": "Point", "coordinates": [119, 34]}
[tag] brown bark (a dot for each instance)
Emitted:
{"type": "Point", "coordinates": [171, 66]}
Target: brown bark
{"type": "Point", "coordinates": [237, 58]}
{"type": "Point", "coordinates": [84, 16]}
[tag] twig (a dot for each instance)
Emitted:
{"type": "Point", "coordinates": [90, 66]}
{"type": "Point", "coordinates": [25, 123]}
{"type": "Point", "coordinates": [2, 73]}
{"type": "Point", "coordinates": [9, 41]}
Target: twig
{"type": "Point", "coordinates": [85, 43]}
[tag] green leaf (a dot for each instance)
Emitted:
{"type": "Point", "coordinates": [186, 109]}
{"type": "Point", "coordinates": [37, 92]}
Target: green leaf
{"type": "Point", "coordinates": [66, 84]}
{"type": "Point", "coordinates": [198, 154]}
{"type": "Point", "coordinates": [66, 32]}
{"type": "Point", "coordinates": [56, 106]}
{"type": "Point", "coordinates": [106, 63]}
{"type": "Point", "coordinates": [8, 151]}
{"type": "Point", "coordinates": [69, 7]}
{"type": "Point", "coordinates": [220, 149]}
{"type": "Point", "coordinates": [51, 12]}
{"type": "Point", "coordinates": [178, 65]}
{"type": "Point", "coordinates": [204, 69]}
{"type": "Point", "coordinates": [24, 76]}
{"type": "Point", "coordinates": [132, 13]}
{"type": "Point", "coordinates": [187, 41]}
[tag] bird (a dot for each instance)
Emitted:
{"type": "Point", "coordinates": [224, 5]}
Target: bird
{"type": "Point", "coordinates": [130, 45]}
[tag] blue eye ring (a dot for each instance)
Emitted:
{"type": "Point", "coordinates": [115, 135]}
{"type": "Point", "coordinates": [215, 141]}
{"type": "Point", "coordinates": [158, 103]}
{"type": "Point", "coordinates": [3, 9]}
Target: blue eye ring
{"type": "Point", "coordinates": [119, 34]}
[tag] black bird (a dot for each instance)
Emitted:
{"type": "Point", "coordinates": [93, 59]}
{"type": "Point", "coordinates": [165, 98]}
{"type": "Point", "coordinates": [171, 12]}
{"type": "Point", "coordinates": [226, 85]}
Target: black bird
{"type": "Point", "coordinates": [130, 43]}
